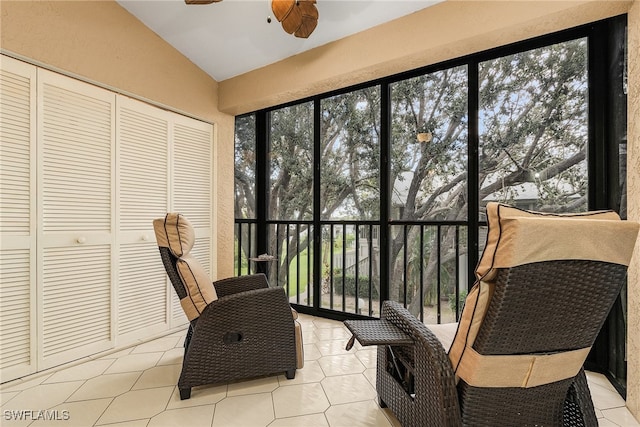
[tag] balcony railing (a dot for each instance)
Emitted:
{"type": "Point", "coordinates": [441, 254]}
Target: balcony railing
{"type": "Point", "coordinates": [427, 265]}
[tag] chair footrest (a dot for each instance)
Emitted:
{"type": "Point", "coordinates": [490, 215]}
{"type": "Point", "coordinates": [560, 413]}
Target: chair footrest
{"type": "Point", "coordinates": [376, 332]}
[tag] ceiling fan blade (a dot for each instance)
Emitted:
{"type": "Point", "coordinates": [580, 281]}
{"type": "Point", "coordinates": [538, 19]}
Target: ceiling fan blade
{"type": "Point", "coordinates": [308, 25]}
{"type": "Point", "coordinates": [201, 1]}
{"type": "Point", "coordinates": [308, 8]}
{"type": "Point", "coordinates": [292, 21]}
{"type": "Point", "coordinates": [282, 8]}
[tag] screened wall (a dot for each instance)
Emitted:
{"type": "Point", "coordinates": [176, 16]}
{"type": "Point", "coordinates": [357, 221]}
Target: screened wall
{"type": "Point", "coordinates": [377, 191]}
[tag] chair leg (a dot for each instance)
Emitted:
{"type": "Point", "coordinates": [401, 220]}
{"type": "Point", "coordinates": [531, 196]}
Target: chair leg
{"type": "Point", "coordinates": [381, 402]}
{"type": "Point", "coordinates": [290, 374]}
{"type": "Point", "coordinates": [185, 393]}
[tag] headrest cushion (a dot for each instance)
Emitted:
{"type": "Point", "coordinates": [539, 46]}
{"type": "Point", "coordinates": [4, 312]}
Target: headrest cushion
{"type": "Point", "coordinates": [497, 213]}
{"type": "Point", "coordinates": [176, 233]}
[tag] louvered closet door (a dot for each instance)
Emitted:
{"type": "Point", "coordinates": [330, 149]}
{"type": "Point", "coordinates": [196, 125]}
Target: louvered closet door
{"type": "Point", "coordinates": [191, 188]}
{"type": "Point", "coordinates": [143, 174]}
{"type": "Point", "coordinates": [17, 219]}
{"type": "Point", "coordinates": [76, 218]}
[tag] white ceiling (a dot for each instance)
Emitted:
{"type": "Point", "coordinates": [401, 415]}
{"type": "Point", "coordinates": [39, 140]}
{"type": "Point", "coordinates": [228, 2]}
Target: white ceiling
{"type": "Point", "coordinates": [232, 37]}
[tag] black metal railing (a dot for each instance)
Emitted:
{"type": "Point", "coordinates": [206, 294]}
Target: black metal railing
{"type": "Point", "coordinates": [428, 265]}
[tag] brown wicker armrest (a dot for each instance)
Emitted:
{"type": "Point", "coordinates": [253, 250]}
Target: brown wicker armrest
{"type": "Point", "coordinates": [436, 398]}
{"type": "Point", "coordinates": [233, 285]}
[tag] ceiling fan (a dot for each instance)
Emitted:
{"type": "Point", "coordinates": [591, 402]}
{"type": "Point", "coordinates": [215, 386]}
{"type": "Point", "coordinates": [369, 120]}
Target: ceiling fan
{"type": "Point", "coordinates": [298, 17]}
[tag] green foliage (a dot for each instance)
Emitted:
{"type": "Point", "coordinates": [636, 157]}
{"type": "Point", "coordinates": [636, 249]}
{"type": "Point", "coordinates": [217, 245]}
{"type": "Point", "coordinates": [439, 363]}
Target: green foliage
{"type": "Point", "coordinates": [462, 296]}
{"type": "Point", "coordinates": [350, 286]}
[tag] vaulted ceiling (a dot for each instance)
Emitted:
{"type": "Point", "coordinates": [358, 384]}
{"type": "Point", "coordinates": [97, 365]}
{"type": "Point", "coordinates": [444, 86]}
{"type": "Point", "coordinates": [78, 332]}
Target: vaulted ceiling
{"type": "Point", "coordinates": [232, 37]}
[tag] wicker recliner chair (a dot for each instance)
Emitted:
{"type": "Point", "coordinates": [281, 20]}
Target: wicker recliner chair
{"type": "Point", "coordinates": [545, 285]}
{"type": "Point", "coordinates": [239, 326]}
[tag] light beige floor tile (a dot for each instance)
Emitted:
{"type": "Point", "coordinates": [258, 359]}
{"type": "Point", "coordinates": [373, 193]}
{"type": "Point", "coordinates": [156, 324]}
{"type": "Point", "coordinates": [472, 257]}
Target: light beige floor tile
{"type": "Point", "coordinates": [392, 418]}
{"type": "Point", "coordinates": [199, 416]}
{"type": "Point", "coordinates": [6, 396]}
{"type": "Point", "coordinates": [204, 395]}
{"type": "Point", "coordinates": [137, 404]}
{"type": "Point", "coordinates": [370, 374]}
{"type": "Point", "coordinates": [172, 357]}
{"type": "Point", "coordinates": [333, 347]}
{"type": "Point", "coordinates": [605, 399]}
{"type": "Point", "coordinates": [341, 365]}
{"type": "Point", "coordinates": [303, 399]}
{"type": "Point", "coordinates": [339, 333]}
{"type": "Point", "coordinates": [311, 352]}
{"type": "Point", "coordinates": [313, 420]}
{"type": "Point", "coordinates": [161, 344]}
{"type": "Point", "coordinates": [253, 386]}
{"type": "Point", "coordinates": [23, 384]}
{"type": "Point", "coordinates": [134, 362]}
{"type": "Point", "coordinates": [80, 414]}
{"type": "Point", "coordinates": [311, 373]}
{"type": "Point", "coordinates": [320, 322]}
{"type": "Point", "coordinates": [110, 385]}
{"type": "Point", "coordinates": [368, 357]}
{"type": "Point", "coordinates": [309, 336]}
{"type": "Point", "coordinates": [84, 371]}
{"type": "Point", "coordinates": [253, 410]}
{"type": "Point", "coordinates": [115, 354]}
{"type": "Point", "coordinates": [348, 389]}
{"type": "Point", "coordinates": [135, 423]}
{"type": "Point", "coordinates": [361, 414]}
{"type": "Point", "coordinates": [142, 392]}
{"type": "Point", "coordinates": [43, 396]}
{"type": "Point", "coordinates": [158, 376]}
{"type": "Point", "coordinates": [621, 416]}
{"type": "Point", "coordinates": [603, 422]}
{"type": "Point", "coordinates": [181, 333]}
{"type": "Point", "coordinates": [599, 379]}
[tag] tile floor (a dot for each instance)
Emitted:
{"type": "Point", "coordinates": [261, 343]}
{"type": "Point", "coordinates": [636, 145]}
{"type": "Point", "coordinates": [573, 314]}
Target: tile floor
{"type": "Point", "coordinates": [135, 387]}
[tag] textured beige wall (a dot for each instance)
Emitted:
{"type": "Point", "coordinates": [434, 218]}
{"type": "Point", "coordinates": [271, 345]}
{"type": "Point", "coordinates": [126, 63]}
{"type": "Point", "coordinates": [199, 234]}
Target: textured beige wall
{"type": "Point", "coordinates": [633, 194]}
{"type": "Point", "coordinates": [101, 42]}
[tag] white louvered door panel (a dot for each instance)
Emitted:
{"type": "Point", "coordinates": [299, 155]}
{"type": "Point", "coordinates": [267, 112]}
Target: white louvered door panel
{"type": "Point", "coordinates": [192, 170]}
{"type": "Point", "coordinates": [192, 186]}
{"type": "Point", "coordinates": [143, 174]}
{"type": "Point", "coordinates": [142, 292]}
{"type": "Point", "coordinates": [76, 140]}
{"type": "Point", "coordinates": [17, 219]}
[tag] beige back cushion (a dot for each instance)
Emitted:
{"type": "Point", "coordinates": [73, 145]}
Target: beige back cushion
{"type": "Point", "coordinates": [497, 212]}
{"type": "Point", "coordinates": [518, 237]}
{"type": "Point", "coordinates": [175, 232]}
{"type": "Point", "coordinates": [531, 239]}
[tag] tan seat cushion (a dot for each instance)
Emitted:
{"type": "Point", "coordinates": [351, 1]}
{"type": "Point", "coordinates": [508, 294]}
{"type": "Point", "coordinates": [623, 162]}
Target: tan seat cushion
{"type": "Point", "coordinates": [445, 332]}
{"type": "Point", "coordinates": [299, 345]}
